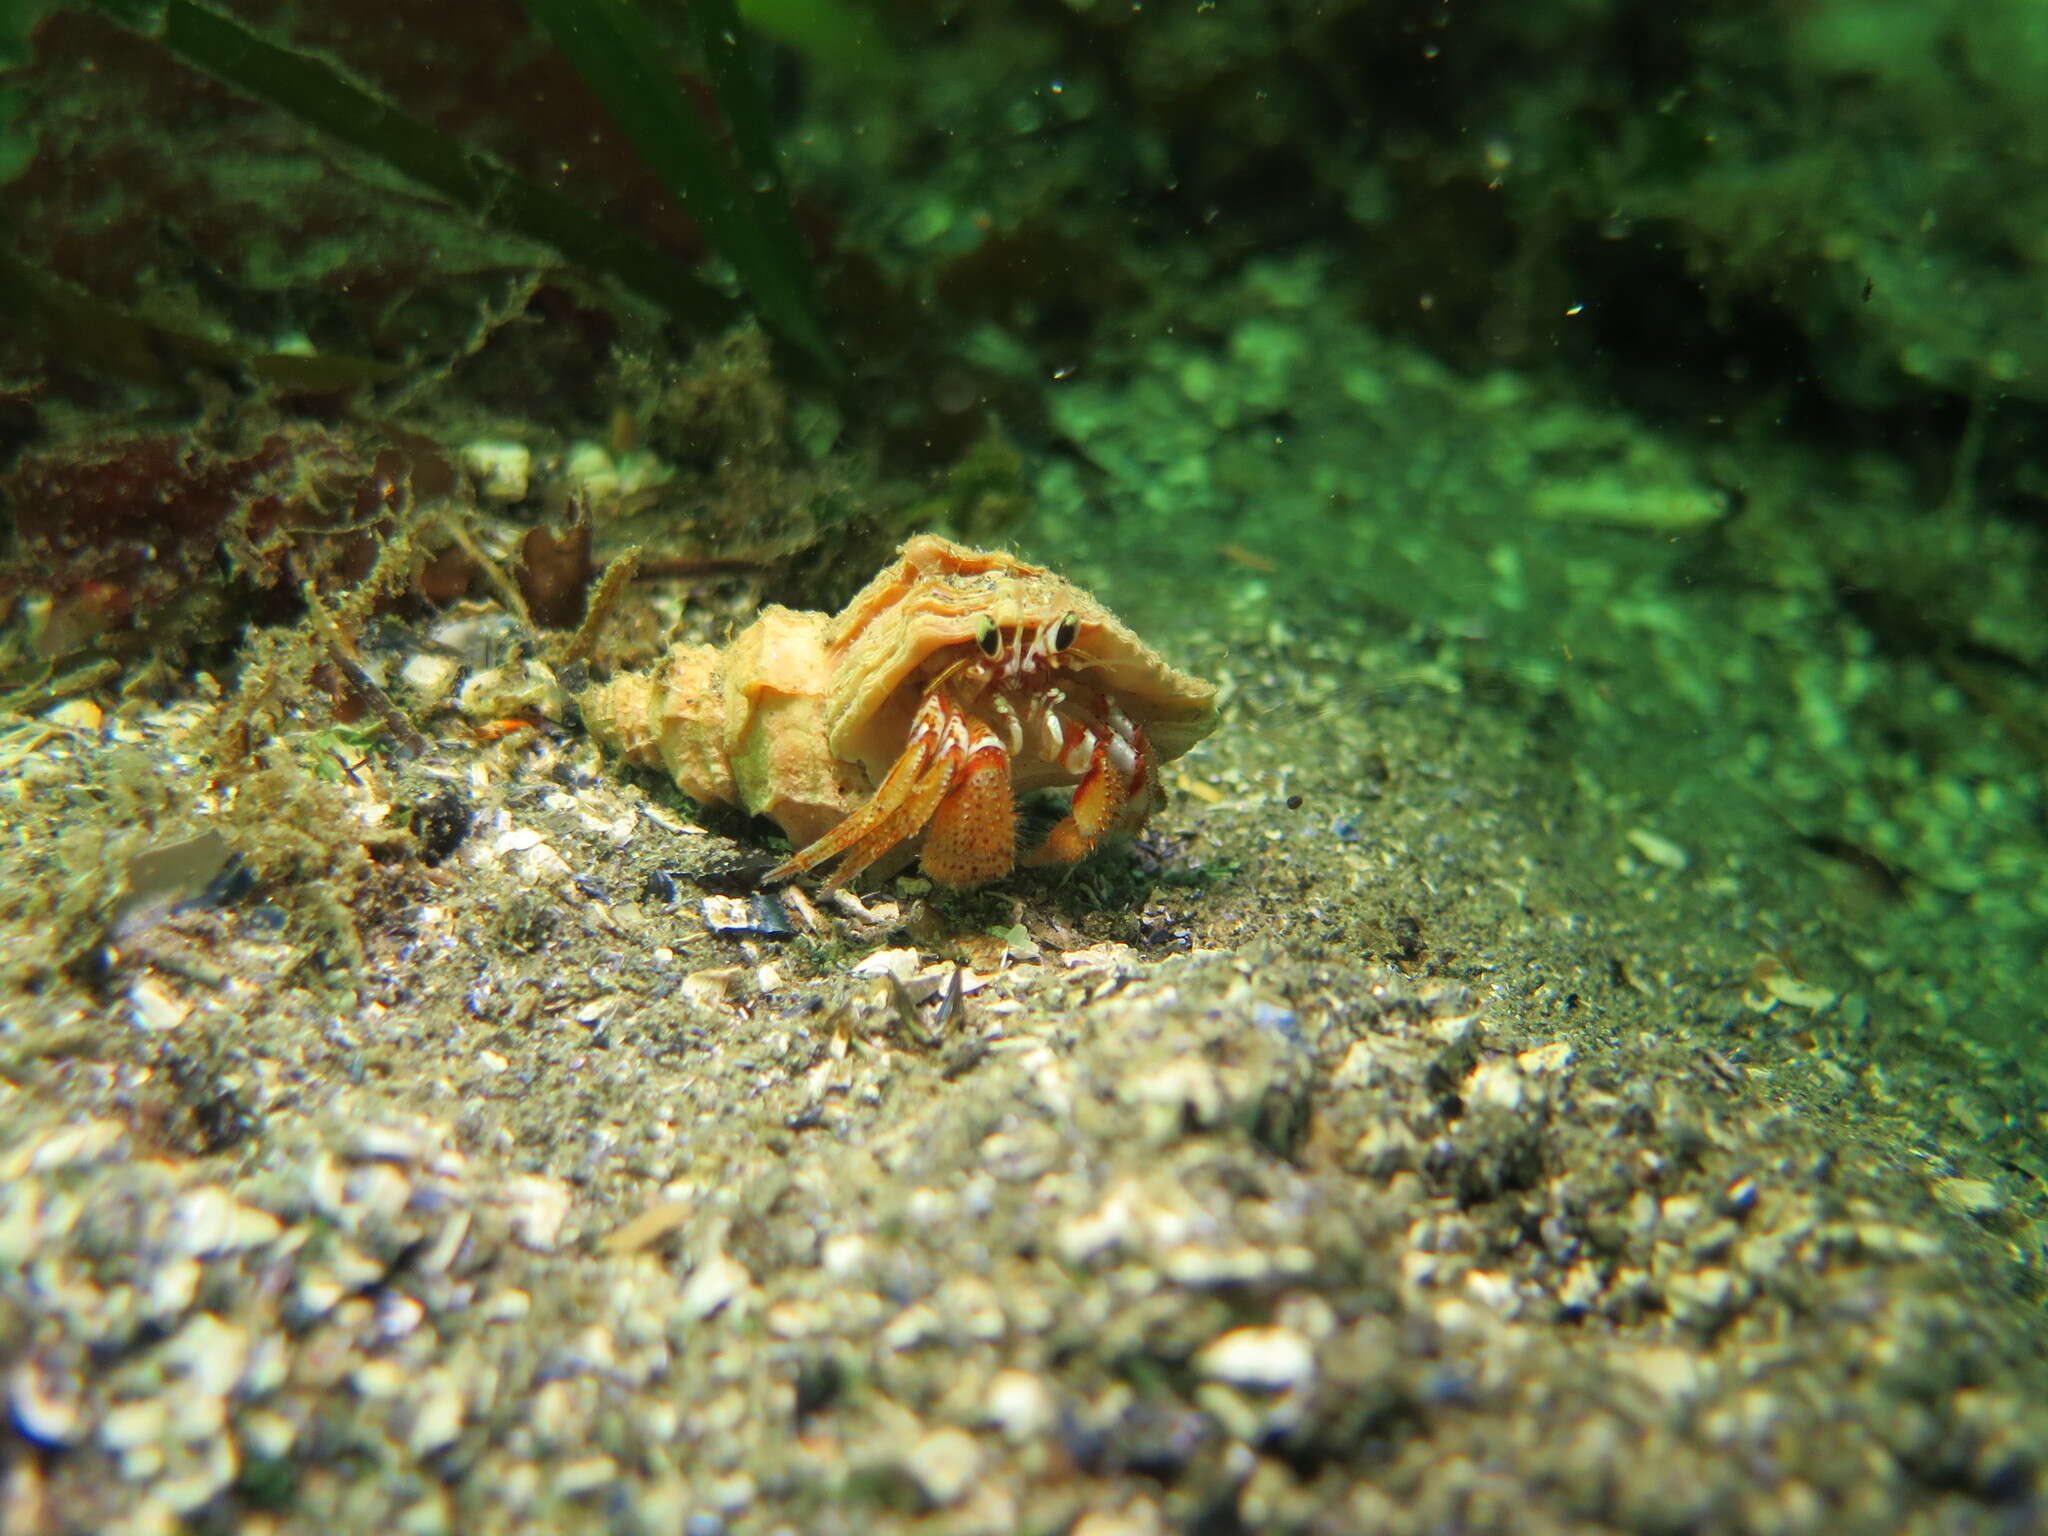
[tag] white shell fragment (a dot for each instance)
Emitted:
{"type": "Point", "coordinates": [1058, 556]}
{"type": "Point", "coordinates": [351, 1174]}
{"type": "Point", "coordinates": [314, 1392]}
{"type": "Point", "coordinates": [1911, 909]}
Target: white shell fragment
{"type": "Point", "coordinates": [538, 1207]}
{"type": "Point", "coordinates": [1972, 1197]}
{"type": "Point", "coordinates": [500, 471]}
{"type": "Point", "coordinates": [1020, 1405]}
{"type": "Point", "coordinates": [436, 1416]}
{"type": "Point", "coordinates": [1794, 992]}
{"type": "Point", "coordinates": [155, 1007]}
{"type": "Point", "coordinates": [944, 1464]}
{"type": "Point", "coordinates": [517, 688]}
{"type": "Point", "coordinates": [44, 1404]}
{"type": "Point", "coordinates": [900, 963]}
{"type": "Point", "coordinates": [1658, 850]}
{"type": "Point", "coordinates": [430, 677]}
{"type": "Point", "coordinates": [714, 1285]}
{"type": "Point", "coordinates": [1272, 1359]}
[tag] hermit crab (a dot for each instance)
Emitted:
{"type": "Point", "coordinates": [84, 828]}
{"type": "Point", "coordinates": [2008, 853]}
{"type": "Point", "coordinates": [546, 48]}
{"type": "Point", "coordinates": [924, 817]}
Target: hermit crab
{"type": "Point", "coordinates": [910, 721]}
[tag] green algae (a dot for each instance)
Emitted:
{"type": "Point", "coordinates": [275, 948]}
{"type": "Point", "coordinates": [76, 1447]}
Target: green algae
{"type": "Point", "coordinates": [744, 210]}
{"type": "Point", "coordinates": [1685, 735]}
{"type": "Point", "coordinates": [320, 95]}
{"type": "Point", "coordinates": [1717, 679]}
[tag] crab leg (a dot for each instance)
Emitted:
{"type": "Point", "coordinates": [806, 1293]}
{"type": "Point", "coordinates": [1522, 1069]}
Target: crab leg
{"type": "Point", "coordinates": [901, 806]}
{"type": "Point", "coordinates": [1142, 795]}
{"type": "Point", "coordinates": [974, 832]}
{"type": "Point", "coordinates": [1118, 778]}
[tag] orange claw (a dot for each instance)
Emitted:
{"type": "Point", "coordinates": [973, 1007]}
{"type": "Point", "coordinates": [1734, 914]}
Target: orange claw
{"type": "Point", "coordinates": [1098, 805]}
{"type": "Point", "coordinates": [953, 778]}
{"type": "Point", "coordinates": [498, 730]}
{"type": "Point", "coordinates": [974, 833]}
{"type": "Point", "coordinates": [937, 760]}
{"type": "Point", "coordinates": [920, 799]}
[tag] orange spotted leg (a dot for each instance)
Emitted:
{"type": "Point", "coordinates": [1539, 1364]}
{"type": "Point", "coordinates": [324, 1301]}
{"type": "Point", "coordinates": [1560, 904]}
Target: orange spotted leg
{"type": "Point", "coordinates": [1118, 778]}
{"type": "Point", "coordinates": [974, 833]}
{"type": "Point", "coordinates": [900, 807]}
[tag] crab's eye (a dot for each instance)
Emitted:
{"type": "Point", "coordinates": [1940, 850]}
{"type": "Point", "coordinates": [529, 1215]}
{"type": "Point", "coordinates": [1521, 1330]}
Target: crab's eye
{"type": "Point", "coordinates": [987, 636]}
{"type": "Point", "coordinates": [1066, 632]}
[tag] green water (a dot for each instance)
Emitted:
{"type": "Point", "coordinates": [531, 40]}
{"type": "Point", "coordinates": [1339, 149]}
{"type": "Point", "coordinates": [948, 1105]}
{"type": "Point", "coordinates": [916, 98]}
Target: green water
{"type": "Point", "coordinates": [1576, 1035]}
{"type": "Point", "coordinates": [1671, 384]}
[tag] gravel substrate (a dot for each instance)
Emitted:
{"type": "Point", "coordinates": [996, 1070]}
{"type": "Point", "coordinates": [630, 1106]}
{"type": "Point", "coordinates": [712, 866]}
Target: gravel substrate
{"type": "Point", "coordinates": [1363, 1164]}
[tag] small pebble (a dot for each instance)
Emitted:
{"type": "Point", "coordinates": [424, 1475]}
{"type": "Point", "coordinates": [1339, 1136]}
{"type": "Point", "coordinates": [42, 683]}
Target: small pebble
{"type": "Point", "coordinates": [507, 1306]}
{"type": "Point", "coordinates": [155, 1007]}
{"type": "Point", "coordinates": [1020, 1405]}
{"type": "Point", "coordinates": [501, 471]}
{"type": "Point", "coordinates": [588, 1475]}
{"type": "Point", "coordinates": [1972, 1197]}
{"type": "Point", "coordinates": [75, 715]}
{"type": "Point", "coordinates": [1259, 1359]}
{"type": "Point", "coordinates": [519, 688]}
{"type": "Point", "coordinates": [128, 1425]}
{"type": "Point", "coordinates": [712, 1285]}
{"type": "Point", "coordinates": [759, 915]}
{"type": "Point", "coordinates": [430, 677]}
{"type": "Point", "coordinates": [900, 963]}
{"type": "Point", "coordinates": [1659, 850]}
{"type": "Point", "coordinates": [944, 1463]}
{"type": "Point", "coordinates": [436, 1418]}
{"type": "Point", "coordinates": [539, 1206]}
{"type": "Point", "coordinates": [44, 1404]}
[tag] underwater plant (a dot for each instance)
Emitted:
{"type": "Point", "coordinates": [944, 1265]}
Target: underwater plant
{"type": "Point", "coordinates": [617, 52]}
{"type": "Point", "coordinates": [613, 46]}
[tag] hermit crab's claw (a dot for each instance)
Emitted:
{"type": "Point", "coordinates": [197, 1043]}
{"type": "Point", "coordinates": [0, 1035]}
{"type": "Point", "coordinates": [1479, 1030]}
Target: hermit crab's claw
{"type": "Point", "coordinates": [1114, 795]}
{"type": "Point", "coordinates": [974, 835]}
{"type": "Point", "coordinates": [953, 777]}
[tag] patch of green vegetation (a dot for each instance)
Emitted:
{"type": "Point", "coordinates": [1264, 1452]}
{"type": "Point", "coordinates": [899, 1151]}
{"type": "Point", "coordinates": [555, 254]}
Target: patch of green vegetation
{"type": "Point", "coordinates": [1205, 875]}
{"type": "Point", "coordinates": [334, 752]}
{"type": "Point", "coordinates": [885, 1488]}
{"type": "Point", "coordinates": [977, 909]}
{"type": "Point", "coordinates": [267, 1483]}
{"type": "Point", "coordinates": [91, 855]}
{"type": "Point", "coordinates": [837, 36]}
{"type": "Point", "coordinates": [131, 345]}
{"type": "Point", "coordinates": [526, 921]}
{"type": "Point", "coordinates": [612, 44]}
{"type": "Point", "coordinates": [826, 957]}
{"type": "Point", "coordinates": [743, 212]}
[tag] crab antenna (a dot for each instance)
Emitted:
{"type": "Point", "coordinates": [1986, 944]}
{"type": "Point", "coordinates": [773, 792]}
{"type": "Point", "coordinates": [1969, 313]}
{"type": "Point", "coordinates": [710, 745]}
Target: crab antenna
{"type": "Point", "coordinates": [945, 677]}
